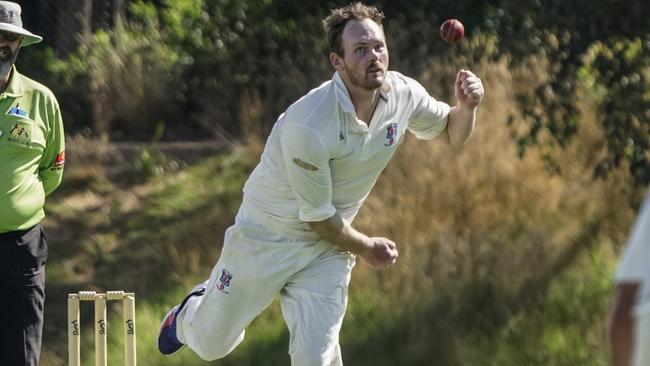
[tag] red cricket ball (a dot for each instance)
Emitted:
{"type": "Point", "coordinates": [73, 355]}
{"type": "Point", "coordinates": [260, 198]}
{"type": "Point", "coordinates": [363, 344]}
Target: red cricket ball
{"type": "Point", "coordinates": [452, 30]}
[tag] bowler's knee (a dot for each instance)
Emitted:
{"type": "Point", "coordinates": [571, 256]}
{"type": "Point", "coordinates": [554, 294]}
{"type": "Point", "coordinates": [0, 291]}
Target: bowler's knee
{"type": "Point", "coordinates": [210, 354]}
{"type": "Point", "coordinates": [214, 348]}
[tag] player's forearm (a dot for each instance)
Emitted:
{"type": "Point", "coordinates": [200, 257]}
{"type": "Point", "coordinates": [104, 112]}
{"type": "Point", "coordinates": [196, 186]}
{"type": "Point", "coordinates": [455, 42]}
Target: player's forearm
{"type": "Point", "coordinates": [460, 125]}
{"type": "Point", "coordinates": [620, 338]}
{"type": "Point", "coordinates": [621, 327]}
{"type": "Point", "coordinates": [337, 231]}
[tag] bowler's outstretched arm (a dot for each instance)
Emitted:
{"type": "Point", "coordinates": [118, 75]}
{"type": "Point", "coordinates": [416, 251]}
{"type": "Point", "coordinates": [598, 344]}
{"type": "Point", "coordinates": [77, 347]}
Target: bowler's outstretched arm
{"type": "Point", "coordinates": [377, 251]}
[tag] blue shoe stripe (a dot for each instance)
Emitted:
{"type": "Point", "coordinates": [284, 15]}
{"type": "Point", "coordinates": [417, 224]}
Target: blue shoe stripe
{"type": "Point", "coordinates": [198, 292]}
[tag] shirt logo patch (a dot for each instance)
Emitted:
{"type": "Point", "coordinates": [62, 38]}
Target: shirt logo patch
{"type": "Point", "coordinates": [16, 111]}
{"type": "Point", "coordinates": [224, 281]}
{"type": "Point", "coordinates": [391, 134]}
{"type": "Point", "coordinates": [304, 165]}
{"type": "Point", "coordinates": [19, 134]}
{"type": "Point", "coordinates": [60, 160]}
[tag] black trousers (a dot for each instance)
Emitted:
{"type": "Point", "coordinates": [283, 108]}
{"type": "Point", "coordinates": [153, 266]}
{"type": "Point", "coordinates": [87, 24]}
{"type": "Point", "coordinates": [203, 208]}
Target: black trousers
{"type": "Point", "coordinates": [22, 293]}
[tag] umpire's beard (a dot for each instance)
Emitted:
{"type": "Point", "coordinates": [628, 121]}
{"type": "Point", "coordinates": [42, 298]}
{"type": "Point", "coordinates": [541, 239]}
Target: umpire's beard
{"type": "Point", "coordinates": [7, 62]}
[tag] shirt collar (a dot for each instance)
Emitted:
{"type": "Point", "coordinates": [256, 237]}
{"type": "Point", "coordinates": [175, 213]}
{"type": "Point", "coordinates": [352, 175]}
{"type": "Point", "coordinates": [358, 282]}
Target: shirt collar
{"type": "Point", "coordinates": [384, 91]}
{"type": "Point", "coordinates": [14, 86]}
{"type": "Point", "coordinates": [343, 95]}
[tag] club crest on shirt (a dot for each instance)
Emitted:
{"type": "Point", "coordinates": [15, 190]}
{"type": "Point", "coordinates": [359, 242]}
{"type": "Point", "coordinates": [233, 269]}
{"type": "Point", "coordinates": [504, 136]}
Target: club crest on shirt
{"type": "Point", "coordinates": [224, 281]}
{"type": "Point", "coordinates": [391, 134]}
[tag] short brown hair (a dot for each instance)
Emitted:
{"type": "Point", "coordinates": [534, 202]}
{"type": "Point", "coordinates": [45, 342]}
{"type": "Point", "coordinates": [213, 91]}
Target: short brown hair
{"type": "Point", "coordinates": [338, 18]}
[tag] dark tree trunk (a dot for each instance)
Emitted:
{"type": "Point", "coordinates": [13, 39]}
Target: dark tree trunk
{"type": "Point", "coordinates": [106, 13]}
{"type": "Point", "coordinates": [73, 25]}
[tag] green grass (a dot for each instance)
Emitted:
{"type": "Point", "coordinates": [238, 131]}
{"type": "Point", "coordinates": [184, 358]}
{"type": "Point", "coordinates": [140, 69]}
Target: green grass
{"type": "Point", "coordinates": [566, 328]}
{"type": "Point", "coordinates": [158, 247]}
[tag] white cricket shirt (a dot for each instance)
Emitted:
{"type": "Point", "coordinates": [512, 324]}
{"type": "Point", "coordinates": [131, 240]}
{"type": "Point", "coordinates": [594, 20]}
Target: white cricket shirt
{"type": "Point", "coordinates": [644, 295]}
{"type": "Point", "coordinates": [320, 159]}
{"type": "Point", "coordinates": [635, 263]}
{"type": "Point", "coordinates": [636, 257]}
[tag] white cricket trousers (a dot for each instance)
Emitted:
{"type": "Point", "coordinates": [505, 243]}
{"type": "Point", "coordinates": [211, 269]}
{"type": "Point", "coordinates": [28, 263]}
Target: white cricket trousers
{"type": "Point", "coordinates": [256, 265]}
{"type": "Point", "coordinates": [642, 336]}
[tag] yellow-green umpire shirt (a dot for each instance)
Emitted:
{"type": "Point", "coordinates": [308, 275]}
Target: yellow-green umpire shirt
{"type": "Point", "coordinates": [32, 151]}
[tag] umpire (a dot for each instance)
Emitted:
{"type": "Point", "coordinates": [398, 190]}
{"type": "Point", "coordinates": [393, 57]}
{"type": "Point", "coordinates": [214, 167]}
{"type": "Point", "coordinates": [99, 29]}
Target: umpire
{"type": "Point", "coordinates": [31, 160]}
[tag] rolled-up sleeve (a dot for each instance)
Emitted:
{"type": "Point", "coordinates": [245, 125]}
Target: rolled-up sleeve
{"type": "Point", "coordinates": [430, 116]}
{"type": "Point", "coordinates": [307, 164]}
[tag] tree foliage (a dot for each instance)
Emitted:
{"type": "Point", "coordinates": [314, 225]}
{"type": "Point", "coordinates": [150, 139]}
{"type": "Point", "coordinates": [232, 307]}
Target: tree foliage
{"type": "Point", "coordinates": [600, 43]}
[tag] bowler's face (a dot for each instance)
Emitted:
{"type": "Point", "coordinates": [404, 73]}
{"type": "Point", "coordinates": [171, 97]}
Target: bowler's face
{"type": "Point", "coordinates": [365, 62]}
